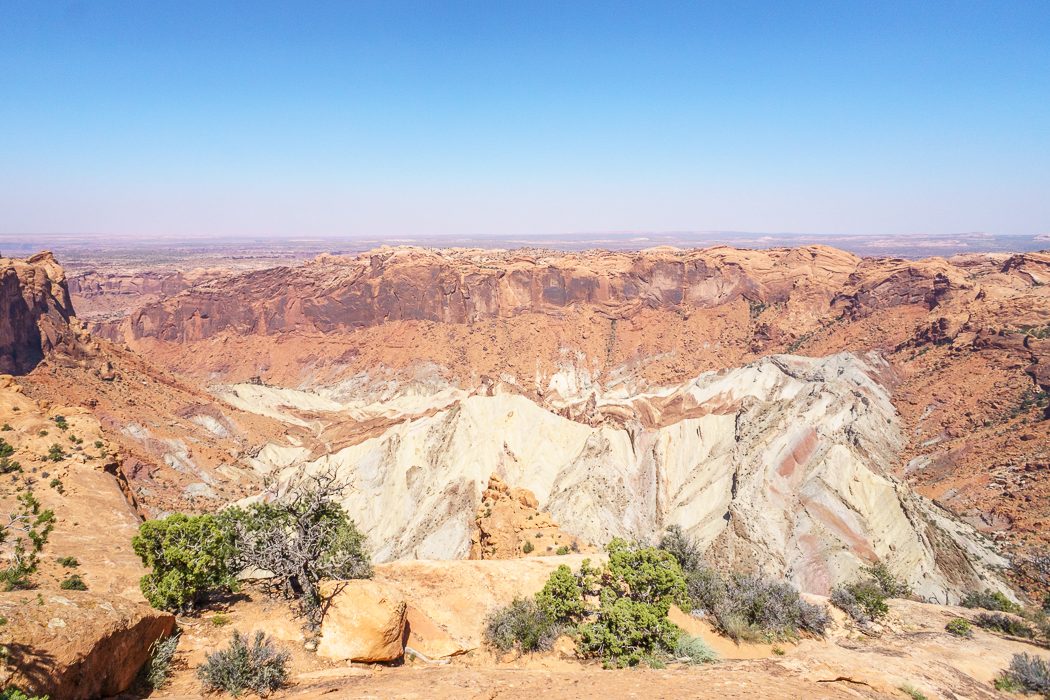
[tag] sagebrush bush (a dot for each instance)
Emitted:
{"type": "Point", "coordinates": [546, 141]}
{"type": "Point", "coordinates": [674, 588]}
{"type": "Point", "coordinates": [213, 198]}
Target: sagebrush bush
{"type": "Point", "coordinates": [154, 673]}
{"type": "Point", "coordinates": [73, 583]}
{"type": "Point", "coordinates": [694, 650]}
{"type": "Point", "coordinates": [259, 667]}
{"type": "Point", "coordinates": [754, 608]}
{"type": "Point", "coordinates": [522, 625]}
{"type": "Point", "coordinates": [1029, 672]}
{"type": "Point", "coordinates": [998, 622]}
{"type": "Point", "coordinates": [864, 600]}
{"type": "Point", "coordinates": [959, 627]}
{"type": "Point", "coordinates": [682, 548]}
{"type": "Point", "coordinates": [990, 600]}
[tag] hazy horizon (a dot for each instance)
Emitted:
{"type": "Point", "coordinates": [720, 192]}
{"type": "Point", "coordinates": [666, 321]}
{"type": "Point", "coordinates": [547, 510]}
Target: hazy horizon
{"type": "Point", "coordinates": [402, 119]}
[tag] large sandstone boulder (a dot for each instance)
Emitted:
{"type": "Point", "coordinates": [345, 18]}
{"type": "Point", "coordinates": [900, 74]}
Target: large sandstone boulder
{"type": "Point", "coordinates": [73, 644]}
{"type": "Point", "coordinates": [363, 621]}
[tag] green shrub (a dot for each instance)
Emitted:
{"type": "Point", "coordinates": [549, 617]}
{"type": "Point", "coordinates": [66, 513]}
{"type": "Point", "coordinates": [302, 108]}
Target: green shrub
{"type": "Point", "coordinates": [188, 558]}
{"type": "Point", "coordinates": [6, 428]}
{"type": "Point", "coordinates": [645, 574]}
{"type": "Point", "coordinates": [990, 600]}
{"type": "Point", "coordinates": [259, 667]}
{"type": "Point", "coordinates": [694, 650]}
{"type": "Point", "coordinates": [68, 562]}
{"type": "Point", "coordinates": [527, 547]}
{"type": "Point", "coordinates": [55, 453]}
{"type": "Point", "coordinates": [626, 631]}
{"type": "Point", "coordinates": [220, 620]}
{"type": "Point", "coordinates": [154, 673]}
{"type": "Point", "coordinates": [61, 422]}
{"type": "Point", "coordinates": [57, 485]}
{"type": "Point", "coordinates": [16, 694]}
{"type": "Point", "coordinates": [864, 600]}
{"type": "Point", "coordinates": [562, 550]}
{"type": "Point", "coordinates": [7, 465]}
{"type": "Point", "coordinates": [73, 583]}
{"type": "Point", "coordinates": [33, 526]}
{"type": "Point", "coordinates": [912, 692]}
{"type": "Point", "coordinates": [959, 627]}
{"type": "Point", "coordinates": [561, 598]}
{"type": "Point", "coordinates": [998, 622]}
{"type": "Point", "coordinates": [522, 625]}
{"type": "Point", "coordinates": [1027, 672]}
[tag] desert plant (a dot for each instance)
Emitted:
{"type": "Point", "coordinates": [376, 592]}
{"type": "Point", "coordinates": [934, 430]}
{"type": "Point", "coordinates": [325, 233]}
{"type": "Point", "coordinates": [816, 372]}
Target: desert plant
{"type": "Point", "coordinates": [562, 550]}
{"type": "Point", "coordinates": [527, 547]}
{"type": "Point", "coordinates": [259, 667]}
{"type": "Point", "coordinates": [61, 422]}
{"type": "Point", "coordinates": [998, 622]}
{"type": "Point", "coordinates": [73, 583]}
{"type": "Point", "coordinates": [864, 600]}
{"type": "Point", "coordinates": [302, 535]}
{"type": "Point", "coordinates": [890, 585]}
{"type": "Point", "coordinates": [682, 547]}
{"type": "Point", "coordinates": [561, 598]}
{"type": "Point", "coordinates": [154, 673]}
{"type": "Point", "coordinates": [1027, 672]}
{"type": "Point", "coordinates": [220, 620]}
{"type": "Point", "coordinates": [57, 485]}
{"type": "Point", "coordinates": [523, 625]}
{"type": "Point", "coordinates": [6, 428]}
{"type": "Point", "coordinates": [7, 465]}
{"type": "Point", "coordinates": [626, 631]}
{"type": "Point", "coordinates": [188, 557]}
{"type": "Point", "coordinates": [754, 607]}
{"type": "Point", "coordinates": [68, 562]}
{"type": "Point", "coordinates": [33, 526]}
{"type": "Point", "coordinates": [959, 627]}
{"type": "Point", "coordinates": [990, 600]}
{"type": "Point", "coordinates": [694, 650]}
{"type": "Point", "coordinates": [13, 693]}
{"type": "Point", "coordinates": [912, 692]}
{"type": "Point", "coordinates": [55, 453]}
{"type": "Point", "coordinates": [645, 574]}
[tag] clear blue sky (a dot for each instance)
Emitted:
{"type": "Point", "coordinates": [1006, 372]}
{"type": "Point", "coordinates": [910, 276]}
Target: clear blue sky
{"type": "Point", "coordinates": [392, 118]}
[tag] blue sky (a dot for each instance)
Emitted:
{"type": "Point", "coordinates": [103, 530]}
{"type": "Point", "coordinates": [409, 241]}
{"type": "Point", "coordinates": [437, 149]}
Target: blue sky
{"type": "Point", "coordinates": [394, 118]}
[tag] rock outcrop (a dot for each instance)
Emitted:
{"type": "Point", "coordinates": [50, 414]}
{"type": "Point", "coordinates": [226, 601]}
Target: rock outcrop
{"type": "Point", "coordinates": [509, 525]}
{"type": "Point", "coordinates": [363, 621]}
{"type": "Point", "coordinates": [76, 645]}
{"type": "Point", "coordinates": [35, 312]}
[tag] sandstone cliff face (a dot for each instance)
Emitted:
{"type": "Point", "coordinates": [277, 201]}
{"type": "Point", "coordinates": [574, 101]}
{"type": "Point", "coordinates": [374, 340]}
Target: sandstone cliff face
{"type": "Point", "coordinates": [34, 313]}
{"type": "Point", "coordinates": [461, 287]}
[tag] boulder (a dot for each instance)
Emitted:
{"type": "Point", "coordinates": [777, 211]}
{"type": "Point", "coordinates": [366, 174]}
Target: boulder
{"type": "Point", "coordinates": [363, 621]}
{"type": "Point", "coordinates": [76, 644]}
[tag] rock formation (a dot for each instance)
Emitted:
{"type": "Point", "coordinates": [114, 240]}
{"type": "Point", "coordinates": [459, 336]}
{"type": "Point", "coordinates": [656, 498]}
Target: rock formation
{"type": "Point", "coordinates": [508, 525]}
{"type": "Point", "coordinates": [35, 311]}
{"type": "Point", "coordinates": [363, 621]}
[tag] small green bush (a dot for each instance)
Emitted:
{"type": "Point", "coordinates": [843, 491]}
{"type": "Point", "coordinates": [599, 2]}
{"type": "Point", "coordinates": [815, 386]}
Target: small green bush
{"type": "Point", "coordinates": [259, 667]}
{"type": "Point", "coordinates": [694, 650]}
{"type": "Point", "coordinates": [188, 557]}
{"type": "Point", "coordinates": [864, 600]}
{"type": "Point", "coordinates": [55, 453]}
{"type": "Point", "coordinates": [561, 598]}
{"type": "Point", "coordinates": [682, 548]}
{"type": "Point", "coordinates": [522, 625]}
{"type": "Point", "coordinates": [562, 550]}
{"type": "Point", "coordinates": [990, 600]}
{"type": "Point", "coordinates": [68, 562]}
{"type": "Point", "coordinates": [61, 422]}
{"type": "Point", "coordinates": [959, 627]}
{"type": "Point", "coordinates": [73, 583]}
{"type": "Point", "coordinates": [755, 608]}
{"type": "Point", "coordinates": [57, 485]}
{"type": "Point", "coordinates": [998, 622]}
{"type": "Point", "coordinates": [626, 631]}
{"type": "Point", "coordinates": [16, 694]}
{"type": "Point", "coordinates": [527, 547]}
{"type": "Point", "coordinates": [912, 692]}
{"type": "Point", "coordinates": [154, 673]}
{"type": "Point", "coordinates": [1027, 672]}
{"type": "Point", "coordinates": [6, 428]}
{"type": "Point", "coordinates": [220, 620]}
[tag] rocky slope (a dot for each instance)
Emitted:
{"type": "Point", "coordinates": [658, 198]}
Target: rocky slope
{"type": "Point", "coordinates": [778, 465]}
